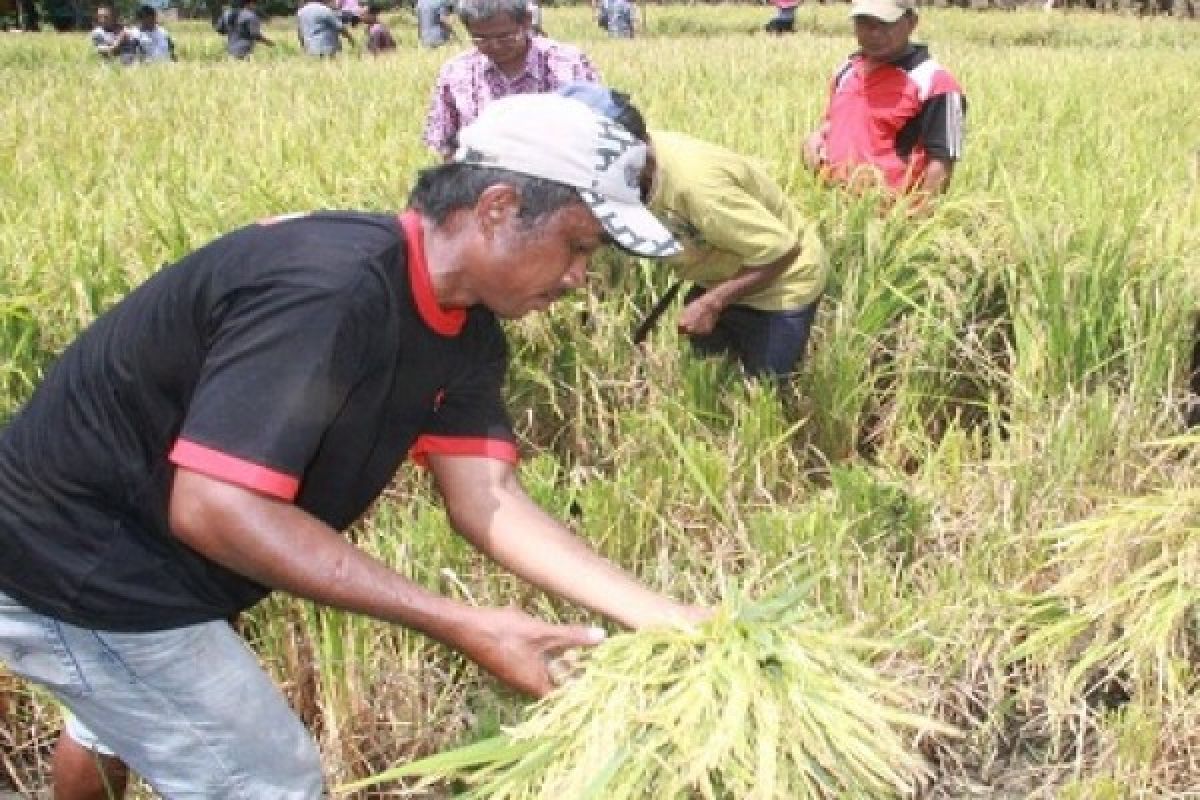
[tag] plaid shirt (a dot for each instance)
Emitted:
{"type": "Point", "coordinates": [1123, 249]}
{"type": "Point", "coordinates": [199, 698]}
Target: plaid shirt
{"type": "Point", "coordinates": [470, 81]}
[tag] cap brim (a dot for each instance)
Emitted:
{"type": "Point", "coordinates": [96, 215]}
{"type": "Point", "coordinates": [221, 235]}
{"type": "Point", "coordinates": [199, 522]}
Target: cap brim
{"type": "Point", "coordinates": [596, 97]}
{"type": "Point", "coordinates": [882, 13]}
{"type": "Point", "coordinates": [631, 226]}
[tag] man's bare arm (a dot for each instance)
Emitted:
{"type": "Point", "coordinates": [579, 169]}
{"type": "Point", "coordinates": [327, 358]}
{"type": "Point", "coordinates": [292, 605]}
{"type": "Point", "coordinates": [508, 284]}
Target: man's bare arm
{"type": "Point", "coordinates": [699, 317]}
{"type": "Point", "coordinates": [283, 547]}
{"type": "Point", "coordinates": [488, 507]}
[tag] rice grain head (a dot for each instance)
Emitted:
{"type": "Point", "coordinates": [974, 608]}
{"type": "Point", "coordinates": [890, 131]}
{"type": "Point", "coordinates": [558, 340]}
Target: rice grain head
{"type": "Point", "coordinates": [766, 701]}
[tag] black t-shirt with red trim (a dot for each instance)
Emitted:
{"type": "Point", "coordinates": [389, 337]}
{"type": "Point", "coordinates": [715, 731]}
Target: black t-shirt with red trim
{"type": "Point", "coordinates": [302, 358]}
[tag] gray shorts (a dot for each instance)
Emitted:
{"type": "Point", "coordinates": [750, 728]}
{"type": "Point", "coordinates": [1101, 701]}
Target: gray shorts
{"type": "Point", "coordinates": [189, 710]}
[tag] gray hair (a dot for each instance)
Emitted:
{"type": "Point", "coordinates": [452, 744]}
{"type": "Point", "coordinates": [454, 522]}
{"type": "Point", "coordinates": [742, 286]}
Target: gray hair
{"type": "Point", "coordinates": [472, 11]}
{"type": "Point", "coordinates": [447, 188]}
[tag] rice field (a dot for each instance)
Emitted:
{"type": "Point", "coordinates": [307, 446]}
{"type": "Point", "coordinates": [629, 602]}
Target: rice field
{"type": "Point", "coordinates": [984, 469]}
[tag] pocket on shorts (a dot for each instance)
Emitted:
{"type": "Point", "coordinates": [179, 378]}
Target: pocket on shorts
{"type": "Point", "coordinates": [33, 646]}
{"type": "Point", "coordinates": [143, 656]}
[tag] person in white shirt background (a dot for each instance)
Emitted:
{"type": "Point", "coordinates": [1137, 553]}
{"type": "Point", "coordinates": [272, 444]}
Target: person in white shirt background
{"type": "Point", "coordinates": [151, 40]}
{"type": "Point", "coordinates": [110, 39]}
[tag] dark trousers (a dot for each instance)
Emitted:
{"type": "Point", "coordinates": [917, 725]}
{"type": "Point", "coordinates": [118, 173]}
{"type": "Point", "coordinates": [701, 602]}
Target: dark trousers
{"type": "Point", "coordinates": [768, 343]}
{"type": "Point", "coordinates": [29, 15]}
{"type": "Point", "coordinates": [780, 25]}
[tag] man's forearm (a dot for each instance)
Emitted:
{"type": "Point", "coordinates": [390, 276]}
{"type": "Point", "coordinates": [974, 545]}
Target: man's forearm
{"type": "Point", "coordinates": [814, 149]}
{"type": "Point", "coordinates": [283, 547]}
{"type": "Point", "coordinates": [499, 519]}
{"type": "Point", "coordinates": [543, 552]}
{"type": "Point", "coordinates": [749, 280]}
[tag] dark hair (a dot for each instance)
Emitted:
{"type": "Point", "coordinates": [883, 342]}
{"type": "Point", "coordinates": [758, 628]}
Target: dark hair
{"type": "Point", "coordinates": [375, 8]}
{"type": "Point", "coordinates": [472, 11]}
{"type": "Point", "coordinates": [451, 187]}
{"type": "Point", "coordinates": [145, 12]}
{"type": "Point", "coordinates": [628, 116]}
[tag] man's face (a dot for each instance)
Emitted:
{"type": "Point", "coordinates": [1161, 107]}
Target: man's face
{"type": "Point", "coordinates": [502, 39]}
{"type": "Point", "coordinates": [529, 266]}
{"type": "Point", "coordinates": [883, 41]}
{"type": "Point", "coordinates": [104, 17]}
{"type": "Point", "coordinates": [147, 22]}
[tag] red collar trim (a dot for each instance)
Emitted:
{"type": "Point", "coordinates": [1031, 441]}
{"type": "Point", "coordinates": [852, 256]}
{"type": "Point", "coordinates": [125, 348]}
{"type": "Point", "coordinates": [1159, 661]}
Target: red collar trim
{"type": "Point", "coordinates": [447, 322]}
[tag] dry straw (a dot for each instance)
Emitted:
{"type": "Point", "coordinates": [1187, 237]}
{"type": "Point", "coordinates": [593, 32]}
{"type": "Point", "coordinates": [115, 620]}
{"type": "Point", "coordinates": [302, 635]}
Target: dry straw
{"type": "Point", "coordinates": [769, 701]}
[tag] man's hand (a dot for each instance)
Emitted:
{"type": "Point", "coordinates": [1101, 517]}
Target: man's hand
{"type": "Point", "coordinates": [692, 615]}
{"type": "Point", "coordinates": [518, 649]}
{"type": "Point", "coordinates": [814, 150]}
{"type": "Point", "coordinates": [534, 657]}
{"type": "Point", "coordinates": [937, 177]}
{"type": "Point", "coordinates": [699, 317]}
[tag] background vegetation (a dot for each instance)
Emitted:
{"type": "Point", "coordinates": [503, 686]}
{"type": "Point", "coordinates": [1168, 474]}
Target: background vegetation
{"type": "Point", "coordinates": [981, 461]}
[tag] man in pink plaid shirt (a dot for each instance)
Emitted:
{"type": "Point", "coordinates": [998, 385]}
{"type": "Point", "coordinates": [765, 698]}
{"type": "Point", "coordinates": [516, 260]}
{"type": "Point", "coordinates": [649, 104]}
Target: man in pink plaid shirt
{"type": "Point", "coordinates": [507, 59]}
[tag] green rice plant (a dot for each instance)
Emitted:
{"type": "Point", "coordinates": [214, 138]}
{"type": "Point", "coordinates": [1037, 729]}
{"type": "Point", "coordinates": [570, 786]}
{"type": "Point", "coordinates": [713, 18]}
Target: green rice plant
{"type": "Point", "coordinates": [1082, 306]}
{"type": "Point", "coordinates": [766, 700]}
{"type": "Point", "coordinates": [884, 269]}
{"type": "Point", "coordinates": [19, 341]}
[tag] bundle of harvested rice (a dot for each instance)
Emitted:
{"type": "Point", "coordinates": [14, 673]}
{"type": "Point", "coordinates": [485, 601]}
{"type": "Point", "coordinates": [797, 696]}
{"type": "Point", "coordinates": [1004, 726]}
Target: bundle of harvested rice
{"type": "Point", "coordinates": [767, 701]}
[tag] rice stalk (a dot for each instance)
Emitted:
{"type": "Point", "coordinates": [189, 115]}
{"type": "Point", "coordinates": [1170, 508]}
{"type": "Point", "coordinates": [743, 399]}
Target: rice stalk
{"type": "Point", "coordinates": [766, 700]}
{"type": "Point", "coordinates": [1124, 606]}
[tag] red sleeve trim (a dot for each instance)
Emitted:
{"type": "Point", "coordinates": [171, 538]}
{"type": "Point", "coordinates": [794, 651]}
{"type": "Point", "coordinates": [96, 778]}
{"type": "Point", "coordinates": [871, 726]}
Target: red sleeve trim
{"type": "Point", "coordinates": [232, 469]}
{"type": "Point", "coordinates": [447, 322]}
{"type": "Point", "coordinates": [461, 446]}
{"type": "Point", "coordinates": [943, 83]}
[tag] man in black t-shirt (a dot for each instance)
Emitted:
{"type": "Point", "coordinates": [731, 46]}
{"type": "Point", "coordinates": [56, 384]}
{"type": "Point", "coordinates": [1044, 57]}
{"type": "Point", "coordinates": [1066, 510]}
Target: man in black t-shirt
{"type": "Point", "coordinates": [204, 440]}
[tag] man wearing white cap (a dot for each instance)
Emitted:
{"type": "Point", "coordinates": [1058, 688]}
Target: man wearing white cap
{"type": "Point", "coordinates": [203, 442]}
{"type": "Point", "coordinates": [895, 116]}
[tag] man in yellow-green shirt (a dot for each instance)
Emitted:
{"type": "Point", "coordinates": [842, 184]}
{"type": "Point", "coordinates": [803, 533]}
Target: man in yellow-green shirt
{"type": "Point", "coordinates": [758, 266]}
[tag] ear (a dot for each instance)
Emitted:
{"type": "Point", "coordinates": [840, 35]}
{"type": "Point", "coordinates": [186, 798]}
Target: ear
{"type": "Point", "coordinates": [496, 205]}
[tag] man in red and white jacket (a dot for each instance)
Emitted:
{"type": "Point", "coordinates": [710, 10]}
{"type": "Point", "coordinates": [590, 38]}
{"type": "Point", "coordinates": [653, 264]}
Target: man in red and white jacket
{"type": "Point", "coordinates": [895, 115]}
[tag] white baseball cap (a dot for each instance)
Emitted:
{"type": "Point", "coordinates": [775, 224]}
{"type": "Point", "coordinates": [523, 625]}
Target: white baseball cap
{"type": "Point", "coordinates": [562, 140]}
{"type": "Point", "coordinates": [883, 10]}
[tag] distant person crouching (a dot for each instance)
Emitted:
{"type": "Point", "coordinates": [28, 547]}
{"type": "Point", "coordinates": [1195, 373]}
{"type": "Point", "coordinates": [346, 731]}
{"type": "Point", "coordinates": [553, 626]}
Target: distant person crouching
{"type": "Point", "coordinates": [379, 38]}
{"type": "Point", "coordinates": [246, 31]}
{"type": "Point", "coordinates": [320, 29]}
{"type": "Point", "coordinates": [433, 24]}
{"type": "Point", "coordinates": [618, 17]}
{"type": "Point", "coordinates": [784, 20]}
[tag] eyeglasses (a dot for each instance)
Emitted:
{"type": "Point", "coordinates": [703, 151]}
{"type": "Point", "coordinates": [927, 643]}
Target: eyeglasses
{"type": "Point", "coordinates": [493, 39]}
